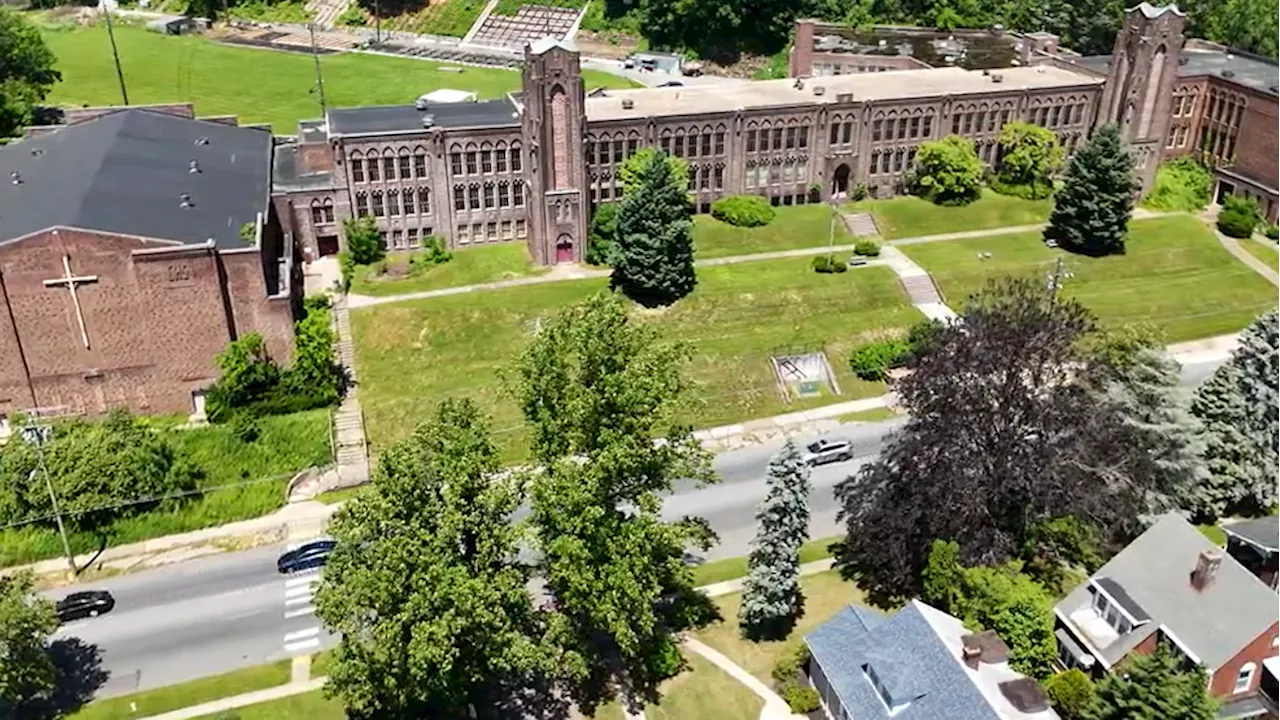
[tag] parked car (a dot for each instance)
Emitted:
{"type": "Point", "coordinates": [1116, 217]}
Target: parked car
{"type": "Point", "coordinates": [827, 450]}
{"type": "Point", "coordinates": [671, 83]}
{"type": "Point", "coordinates": [311, 555]}
{"type": "Point", "coordinates": [90, 603]}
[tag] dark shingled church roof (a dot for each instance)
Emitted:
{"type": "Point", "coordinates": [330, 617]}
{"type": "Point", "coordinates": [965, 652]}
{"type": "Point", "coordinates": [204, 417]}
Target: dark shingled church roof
{"type": "Point", "coordinates": [127, 173]}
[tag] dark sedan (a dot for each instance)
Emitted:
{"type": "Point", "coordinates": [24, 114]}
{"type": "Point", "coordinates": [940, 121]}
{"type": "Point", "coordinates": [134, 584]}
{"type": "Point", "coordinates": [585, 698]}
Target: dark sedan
{"type": "Point", "coordinates": [87, 604]}
{"type": "Point", "coordinates": [311, 555]}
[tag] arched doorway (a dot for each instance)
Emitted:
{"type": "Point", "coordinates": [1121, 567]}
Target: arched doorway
{"type": "Point", "coordinates": [840, 182]}
{"type": "Point", "coordinates": [564, 249]}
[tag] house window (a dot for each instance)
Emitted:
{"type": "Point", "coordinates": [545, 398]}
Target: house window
{"type": "Point", "coordinates": [719, 178]}
{"type": "Point", "coordinates": [846, 133]}
{"type": "Point", "coordinates": [489, 201]}
{"type": "Point", "coordinates": [463, 235]}
{"type": "Point", "coordinates": [393, 202]}
{"type": "Point", "coordinates": [397, 239]}
{"type": "Point", "coordinates": [506, 230]}
{"type": "Point", "coordinates": [378, 210]}
{"type": "Point", "coordinates": [751, 141]}
{"type": "Point", "coordinates": [471, 163]}
{"type": "Point", "coordinates": [389, 168]}
{"type": "Point", "coordinates": [459, 198]}
{"type": "Point", "coordinates": [875, 131]}
{"type": "Point", "coordinates": [405, 172]}
{"type": "Point", "coordinates": [835, 134]}
{"type": "Point", "coordinates": [500, 160]}
{"type": "Point", "coordinates": [804, 136]}
{"type": "Point", "coordinates": [522, 229]}
{"type": "Point", "coordinates": [777, 139]}
{"type": "Point", "coordinates": [328, 211]}
{"type": "Point", "coordinates": [515, 159]}
{"type": "Point", "coordinates": [477, 232]}
{"type": "Point", "coordinates": [424, 201]}
{"type": "Point", "coordinates": [373, 170]}
{"type": "Point", "coordinates": [473, 197]}
{"type": "Point", "coordinates": [632, 146]}
{"type": "Point", "coordinates": [455, 163]}
{"type": "Point", "coordinates": [486, 162]}
{"type": "Point", "coordinates": [362, 204]}
{"type": "Point", "coordinates": [915, 127]}
{"type": "Point", "coordinates": [720, 143]}
{"type": "Point", "coordinates": [357, 170]}
{"type": "Point", "coordinates": [618, 151]}
{"type": "Point", "coordinates": [412, 235]}
{"type": "Point", "coordinates": [791, 138]}
{"type": "Point", "coordinates": [517, 195]}
{"type": "Point", "coordinates": [491, 231]}
{"type": "Point", "coordinates": [928, 126]}
{"type": "Point", "coordinates": [1244, 678]}
{"type": "Point", "coordinates": [408, 201]}
{"type": "Point", "coordinates": [317, 214]}
{"type": "Point", "coordinates": [902, 128]}
{"type": "Point", "coordinates": [420, 165]}
{"type": "Point", "coordinates": [504, 194]}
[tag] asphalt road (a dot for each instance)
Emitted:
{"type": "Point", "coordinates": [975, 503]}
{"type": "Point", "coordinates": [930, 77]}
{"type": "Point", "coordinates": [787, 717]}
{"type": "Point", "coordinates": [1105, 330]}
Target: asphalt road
{"type": "Point", "coordinates": [216, 614]}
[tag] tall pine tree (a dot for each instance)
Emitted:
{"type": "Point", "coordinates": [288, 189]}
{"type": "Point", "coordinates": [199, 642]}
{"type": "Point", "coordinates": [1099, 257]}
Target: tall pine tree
{"type": "Point", "coordinates": [771, 599]}
{"type": "Point", "coordinates": [1091, 210]}
{"type": "Point", "coordinates": [1238, 407]}
{"type": "Point", "coordinates": [654, 255]}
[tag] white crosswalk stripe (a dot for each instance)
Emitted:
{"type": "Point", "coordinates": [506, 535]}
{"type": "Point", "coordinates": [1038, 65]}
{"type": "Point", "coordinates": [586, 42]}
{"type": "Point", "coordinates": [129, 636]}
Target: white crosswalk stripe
{"type": "Point", "coordinates": [299, 594]}
{"type": "Point", "coordinates": [308, 639]}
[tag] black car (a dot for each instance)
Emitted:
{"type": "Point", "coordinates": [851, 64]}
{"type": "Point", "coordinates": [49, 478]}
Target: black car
{"type": "Point", "coordinates": [311, 555]}
{"type": "Point", "coordinates": [91, 603]}
{"type": "Point", "coordinates": [671, 83]}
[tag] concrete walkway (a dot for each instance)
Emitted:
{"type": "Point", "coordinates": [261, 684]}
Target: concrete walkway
{"type": "Point", "coordinates": [735, 585]}
{"type": "Point", "coordinates": [1233, 246]}
{"type": "Point", "coordinates": [919, 285]}
{"type": "Point", "coordinates": [238, 701]}
{"type": "Point", "coordinates": [775, 708]}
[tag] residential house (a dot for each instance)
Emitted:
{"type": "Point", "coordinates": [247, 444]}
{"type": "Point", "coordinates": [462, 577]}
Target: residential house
{"type": "Point", "coordinates": [1172, 585]}
{"type": "Point", "coordinates": [917, 664]}
{"type": "Point", "coordinates": [1256, 545]}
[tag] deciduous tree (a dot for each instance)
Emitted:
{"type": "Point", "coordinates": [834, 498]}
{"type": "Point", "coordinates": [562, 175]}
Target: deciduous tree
{"type": "Point", "coordinates": [771, 598]}
{"type": "Point", "coordinates": [425, 585]}
{"type": "Point", "coordinates": [364, 242]}
{"type": "Point", "coordinates": [947, 172]}
{"type": "Point", "coordinates": [1029, 157]}
{"type": "Point", "coordinates": [600, 395]}
{"type": "Point", "coordinates": [1238, 407]}
{"type": "Point", "coordinates": [654, 258]}
{"type": "Point", "coordinates": [1091, 210]}
{"type": "Point", "coordinates": [1153, 686]}
{"type": "Point", "coordinates": [27, 621]}
{"type": "Point", "coordinates": [26, 71]}
{"type": "Point", "coordinates": [1001, 436]}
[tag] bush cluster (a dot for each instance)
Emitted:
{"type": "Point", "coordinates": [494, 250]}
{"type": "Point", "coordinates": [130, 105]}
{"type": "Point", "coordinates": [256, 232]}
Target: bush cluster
{"type": "Point", "coordinates": [433, 253]}
{"type": "Point", "coordinates": [1239, 217]}
{"type": "Point", "coordinates": [347, 266]}
{"type": "Point", "coordinates": [1181, 184]}
{"type": "Point", "coordinates": [829, 264]}
{"type": "Point", "coordinates": [866, 248]}
{"type": "Point", "coordinates": [743, 210]}
{"type": "Point", "coordinates": [252, 384]}
{"type": "Point", "coordinates": [873, 361]}
{"type": "Point", "coordinates": [1070, 692]}
{"type": "Point", "coordinates": [787, 675]}
{"type": "Point", "coordinates": [603, 235]}
{"type": "Point", "coordinates": [1272, 231]}
{"type": "Point", "coordinates": [858, 192]}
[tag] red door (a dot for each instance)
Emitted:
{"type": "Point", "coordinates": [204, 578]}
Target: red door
{"type": "Point", "coordinates": [564, 250]}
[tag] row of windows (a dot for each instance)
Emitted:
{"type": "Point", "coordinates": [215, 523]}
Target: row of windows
{"type": "Point", "coordinates": [1178, 137]}
{"type": "Point", "coordinates": [321, 213]}
{"type": "Point", "coordinates": [706, 177]}
{"type": "Point", "coordinates": [1057, 115]}
{"type": "Point", "coordinates": [485, 162]}
{"type": "Point", "coordinates": [790, 138]}
{"type": "Point", "coordinates": [903, 128]}
{"type": "Point", "coordinates": [406, 240]}
{"type": "Point", "coordinates": [981, 121]}
{"type": "Point", "coordinates": [1184, 105]}
{"type": "Point", "coordinates": [841, 133]}
{"type": "Point", "coordinates": [825, 69]}
{"type": "Point", "coordinates": [491, 231]}
{"type": "Point", "coordinates": [489, 196]}
{"type": "Point", "coordinates": [888, 162]}
{"type": "Point", "coordinates": [776, 174]}
{"type": "Point", "coordinates": [406, 167]}
{"type": "Point", "coordinates": [610, 151]}
{"type": "Point", "coordinates": [695, 145]}
{"type": "Point", "coordinates": [396, 203]}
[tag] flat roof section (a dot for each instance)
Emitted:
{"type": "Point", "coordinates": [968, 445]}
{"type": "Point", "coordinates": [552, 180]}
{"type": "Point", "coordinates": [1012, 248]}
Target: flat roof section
{"type": "Point", "coordinates": [406, 118]}
{"type": "Point", "coordinates": [865, 87]}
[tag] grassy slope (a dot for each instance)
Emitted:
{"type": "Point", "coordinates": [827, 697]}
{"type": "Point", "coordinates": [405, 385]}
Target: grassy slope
{"type": "Point", "coordinates": [1174, 274]}
{"type": "Point", "coordinates": [1264, 250]}
{"type": "Point", "coordinates": [412, 355]}
{"type": "Point", "coordinates": [903, 217]}
{"type": "Point", "coordinates": [307, 706]}
{"type": "Point", "coordinates": [798, 226]}
{"type": "Point", "coordinates": [257, 85]}
{"type": "Point", "coordinates": [163, 700]}
{"type": "Point", "coordinates": [469, 266]}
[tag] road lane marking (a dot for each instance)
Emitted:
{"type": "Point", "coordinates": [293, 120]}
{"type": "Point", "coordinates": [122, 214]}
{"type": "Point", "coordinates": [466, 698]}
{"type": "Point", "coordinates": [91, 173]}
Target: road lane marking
{"type": "Point", "coordinates": [302, 634]}
{"type": "Point", "coordinates": [305, 600]}
{"type": "Point", "coordinates": [294, 592]}
{"type": "Point", "coordinates": [312, 644]}
{"type": "Point", "coordinates": [308, 610]}
{"type": "Point", "coordinates": [302, 581]}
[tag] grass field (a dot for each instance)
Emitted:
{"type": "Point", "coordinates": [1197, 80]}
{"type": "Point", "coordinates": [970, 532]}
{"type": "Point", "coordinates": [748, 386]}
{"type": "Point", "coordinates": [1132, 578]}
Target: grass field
{"type": "Point", "coordinates": [307, 706]}
{"type": "Point", "coordinates": [256, 85]}
{"type": "Point", "coordinates": [824, 595]}
{"type": "Point", "coordinates": [165, 699]}
{"type": "Point", "coordinates": [1174, 275]}
{"type": "Point", "coordinates": [704, 691]}
{"type": "Point", "coordinates": [411, 355]}
{"type": "Point", "coordinates": [485, 264]}
{"type": "Point", "coordinates": [798, 226]}
{"type": "Point", "coordinates": [736, 567]}
{"type": "Point", "coordinates": [903, 217]}
{"type": "Point", "coordinates": [1264, 250]}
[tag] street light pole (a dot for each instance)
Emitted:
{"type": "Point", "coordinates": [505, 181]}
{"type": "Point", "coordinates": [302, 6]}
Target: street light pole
{"type": "Point", "coordinates": [377, 24]}
{"type": "Point", "coordinates": [35, 435]}
{"type": "Point", "coordinates": [115, 53]}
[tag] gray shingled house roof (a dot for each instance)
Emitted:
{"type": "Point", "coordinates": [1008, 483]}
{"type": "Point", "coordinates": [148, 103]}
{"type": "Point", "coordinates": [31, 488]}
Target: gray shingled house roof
{"type": "Point", "coordinates": [1263, 532]}
{"type": "Point", "coordinates": [127, 172]}
{"type": "Point", "coordinates": [1154, 574]}
{"type": "Point", "coordinates": [914, 655]}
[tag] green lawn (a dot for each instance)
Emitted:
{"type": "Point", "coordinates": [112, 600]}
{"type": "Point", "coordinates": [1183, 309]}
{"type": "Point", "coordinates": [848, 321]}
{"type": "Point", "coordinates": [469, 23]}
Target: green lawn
{"type": "Point", "coordinates": [1264, 250]}
{"type": "Point", "coordinates": [879, 414]}
{"type": "Point", "coordinates": [798, 226]}
{"type": "Point", "coordinates": [704, 691]}
{"type": "Point", "coordinates": [1174, 274]}
{"type": "Point", "coordinates": [257, 85]}
{"type": "Point", "coordinates": [736, 567]}
{"type": "Point", "coordinates": [411, 355]}
{"type": "Point", "coordinates": [307, 706]}
{"type": "Point", "coordinates": [165, 699]}
{"type": "Point", "coordinates": [469, 266]}
{"type": "Point", "coordinates": [904, 217]}
{"type": "Point", "coordinates": [1214, 533]}
{"type": "Point", "coordinates": [824, 595]}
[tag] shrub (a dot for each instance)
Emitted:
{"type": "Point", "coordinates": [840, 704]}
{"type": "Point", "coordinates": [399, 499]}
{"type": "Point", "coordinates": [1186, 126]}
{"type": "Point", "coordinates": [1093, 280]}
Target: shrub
{"type": "Point", "coordinates": [828, 264]}
{"type": "Point", "coordinates": [866, 248]}
{"type": "Point", "coordinates": [433, 253]}
{"type": "Point", "coordinates": [858, 192]}
{"type": "Point", "coordinates": [802, 698]}
{"type": "Point", "coordinates": [1272, 231]}
{"type": "Point", "coordinates": [1181, 184]}
{"type": "Point", "coordinates": [353, 16]}
{"type": "Point", "coordinates": [873, 360]}
{"type": "Point", "coordinates": [347, 266]}
{"type": "Point", "coordinates": [1070, 692]}
{"type": "Point", "coordinates": [364, 241]}
{"type": "Point", "coordinates": [603, 235]}
{"type": "Point", "coordinates": [790, 664]}
{"type": "Point", "coordinates": [1238, 218]}
{"type": "Point", "coordinates": [743, 210]}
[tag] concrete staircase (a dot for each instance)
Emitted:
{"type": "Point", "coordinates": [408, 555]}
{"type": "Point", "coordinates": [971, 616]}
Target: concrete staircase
{"type": "Point", "coordinates": [920, 289]}
{"type": "Point", "coordinates": [350, 449]}
{"type": "Point", "coordinates": [326, 12]}
{"type": "Point", "coordinates": [860, 224]}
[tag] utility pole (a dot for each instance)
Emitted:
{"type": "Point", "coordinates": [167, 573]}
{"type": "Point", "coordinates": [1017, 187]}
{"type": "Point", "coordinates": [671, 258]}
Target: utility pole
{"type": "Point", "coordinates": [377, 24]}
{"type": "Point", "coordinates": [35, 434]}
{"type": "Point", "coordinates": [115, 52]}
{"type": "Point", "coordinates": [315, 55]}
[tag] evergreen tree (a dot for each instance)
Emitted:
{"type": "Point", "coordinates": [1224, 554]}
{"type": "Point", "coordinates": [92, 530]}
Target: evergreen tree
{"type": "Point", "coordinates": [1238, 407]}
{"type": "Point", "coordinates": [1155, 686]}
{"type": "Point", "coordinates": [1091, 210]}
{"type": "Point", "coordinates": [654, 256]}
{"type": "Point", "coordinates": [771, 599]}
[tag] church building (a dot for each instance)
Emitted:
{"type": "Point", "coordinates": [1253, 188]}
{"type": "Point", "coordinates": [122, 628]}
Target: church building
{"type": "Point", "coordinates": [134, 245]}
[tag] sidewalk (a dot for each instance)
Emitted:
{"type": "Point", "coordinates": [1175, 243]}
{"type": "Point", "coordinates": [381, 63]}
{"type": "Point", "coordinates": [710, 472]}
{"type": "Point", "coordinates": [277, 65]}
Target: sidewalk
{"type": "Point", "coordinates": [238, 701]}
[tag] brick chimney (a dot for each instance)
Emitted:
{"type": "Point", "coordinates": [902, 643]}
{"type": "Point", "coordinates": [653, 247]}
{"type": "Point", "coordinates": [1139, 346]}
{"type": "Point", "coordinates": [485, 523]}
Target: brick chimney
{"type": "Point", "coordinates": [800, 64]}
{"type": "Point", "coordinates": [1207, 565]}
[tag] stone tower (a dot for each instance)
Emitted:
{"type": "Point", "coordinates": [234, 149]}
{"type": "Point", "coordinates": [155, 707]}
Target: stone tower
{"type": "Point", "coordinates": [553, 124]}
{"type": "Point", "coordinates": [1139, 89]}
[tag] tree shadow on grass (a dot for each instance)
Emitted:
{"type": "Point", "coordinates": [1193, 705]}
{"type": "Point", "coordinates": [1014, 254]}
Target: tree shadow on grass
{"type": "Point", "coordinates": [78, 675]}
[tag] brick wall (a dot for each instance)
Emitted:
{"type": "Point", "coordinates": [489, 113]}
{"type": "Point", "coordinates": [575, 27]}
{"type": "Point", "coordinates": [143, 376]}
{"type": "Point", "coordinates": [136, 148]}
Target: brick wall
{"type": "Point", "coordinates": [155, 319]}
{"type": "Point", "coordinates": [1224, 680]}
{"type": "Point", "coordinates": [79, 115]}
{"type": "Point", "coordinates": [1258, 148]}
{"type": "Point", "coordinates": [800, 64]}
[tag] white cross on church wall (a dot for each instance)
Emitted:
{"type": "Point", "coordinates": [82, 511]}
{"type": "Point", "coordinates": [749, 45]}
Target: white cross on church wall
{"type": "Point", "coordinates": [71, 281]}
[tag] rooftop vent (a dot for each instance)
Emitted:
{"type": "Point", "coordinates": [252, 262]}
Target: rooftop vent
{"type": "Point", "coordinates": [799, 84]}
{"type": "Point", "coordinates": [628, 103]}
{"type": "Point", "coordinates": [1025, 695]}
{"type": "Point", "coordinates": [185, 200]}
{"type": "Point", "coordinates": [985, 646]}
{"type": "Point", "coordinates": [202, 140]}
{"type": "Point", "coordinates": [997, 77]}
{"type": "Point", "coordinates": [193, 167]}
{"type": "Point", "coordinates": [428, 121]}
{"type": "Point", "coordinates": [819, 90]}
{"type": "Point", "coordinates": [844, 97]}
{"type": "Point", "coordinates": [16, 177]}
